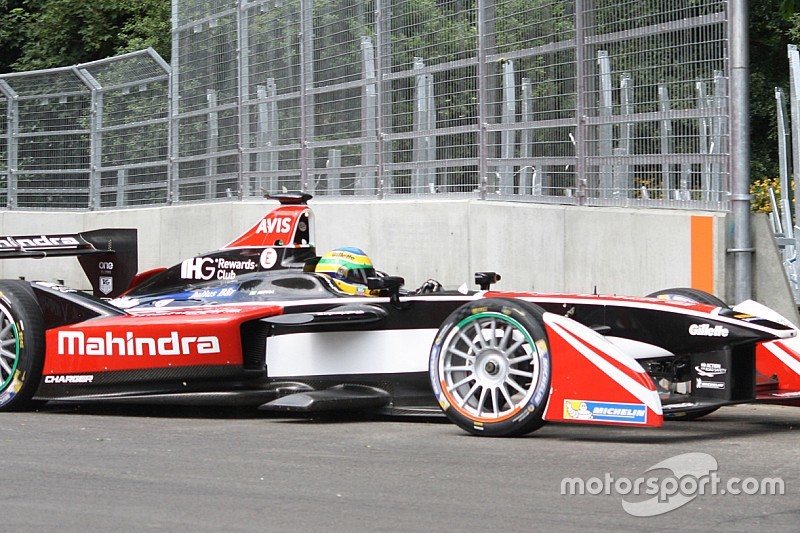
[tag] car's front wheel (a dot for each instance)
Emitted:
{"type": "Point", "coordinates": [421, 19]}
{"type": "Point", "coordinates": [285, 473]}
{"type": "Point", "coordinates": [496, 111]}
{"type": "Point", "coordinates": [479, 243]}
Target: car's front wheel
{"type": "Point", "coordinates": [21, 345]}
{"type": "Point", "coordinates": [490, 367]}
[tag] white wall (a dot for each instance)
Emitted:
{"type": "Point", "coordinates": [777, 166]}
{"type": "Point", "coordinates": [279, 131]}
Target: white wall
{"type": "Point", "coordinates": [538, 247]}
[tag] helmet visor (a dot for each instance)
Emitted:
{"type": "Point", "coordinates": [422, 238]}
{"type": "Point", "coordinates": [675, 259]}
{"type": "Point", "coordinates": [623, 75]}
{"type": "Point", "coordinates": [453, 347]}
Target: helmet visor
{"type": "Point", "coordinates": [359, 275]}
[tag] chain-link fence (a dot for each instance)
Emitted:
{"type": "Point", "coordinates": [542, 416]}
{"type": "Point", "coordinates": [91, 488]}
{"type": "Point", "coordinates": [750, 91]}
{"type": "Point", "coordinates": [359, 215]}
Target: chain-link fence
{"type": "Point", "coordinates": [598, 102]}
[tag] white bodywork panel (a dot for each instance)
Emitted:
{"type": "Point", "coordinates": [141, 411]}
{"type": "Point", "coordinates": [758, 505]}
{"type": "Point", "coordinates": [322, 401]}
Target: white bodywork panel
{"type": "Point", "coordinates": [349, 352]}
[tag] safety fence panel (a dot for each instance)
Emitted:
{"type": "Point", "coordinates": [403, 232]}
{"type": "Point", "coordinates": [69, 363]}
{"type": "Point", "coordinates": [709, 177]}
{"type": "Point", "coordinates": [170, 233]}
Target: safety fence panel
{"type": "Point", "coordinates": [657, 106]}
{"type": "Point", "coordinates": [89, 136]}
{"type": "Point", "coordinates": [591, 102]}
{"type": "Point", "coordinates": [205, 100]}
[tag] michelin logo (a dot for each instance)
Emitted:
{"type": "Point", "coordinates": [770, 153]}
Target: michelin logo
{"type": "Point", "coordinates": [627, 413]}
{"type": "Point", "coordinates": [714, 385]}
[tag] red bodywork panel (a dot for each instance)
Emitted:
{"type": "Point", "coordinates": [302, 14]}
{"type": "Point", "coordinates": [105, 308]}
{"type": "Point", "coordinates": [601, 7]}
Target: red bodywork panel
{"type": "Point", "coordinates": [276, 228]}
{"type": "Point", "coordinates": [779, 362]}
{"type": "Point", "coordinates": [593, 382]}
{"type": "Point", "coordinates": [156, 339]}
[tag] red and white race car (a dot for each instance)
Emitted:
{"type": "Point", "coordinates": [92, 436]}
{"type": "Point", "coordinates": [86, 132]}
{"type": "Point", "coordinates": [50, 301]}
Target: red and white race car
{"type": "Point", "coordinates": [258, 322]}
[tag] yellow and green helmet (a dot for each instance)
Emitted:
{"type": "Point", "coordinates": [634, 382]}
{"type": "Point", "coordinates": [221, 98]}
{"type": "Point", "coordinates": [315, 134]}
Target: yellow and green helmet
{"type": "Point", "coordinates": [349, 269]}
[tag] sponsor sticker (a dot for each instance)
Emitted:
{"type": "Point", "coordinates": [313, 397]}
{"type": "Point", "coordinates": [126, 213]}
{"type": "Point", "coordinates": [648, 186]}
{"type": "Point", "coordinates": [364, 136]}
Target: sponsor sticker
{"type": "Point", "coordinates": [710, 370]}
{"type": "Point", "coordinates": [627, 413]}
{"type": "Point", "coordinates": [106, 284]}
{"type": "Point", "coordinates": [713, 385]}
{"type": "Point", "coordinates": [226, 292]}
{"type": "Point", "coordinates": [707, 330]}
{"type": "Point", "coordinates": [269, 258]}
{"type": "Point", "coordinates": [275, 225]}
{"type": "Point", "coordinates": [69, 379]}
{"type": "Point", "coordinates": [207, 268]}
{"type": "Point", "coordinates": [111, 344]}
{"type": "Point", "coordinates": [41, 241]}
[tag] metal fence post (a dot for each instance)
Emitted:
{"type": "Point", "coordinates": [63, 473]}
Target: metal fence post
{"type": "Point", "coordinates": [782, 217]}
{"type": "Point", "coordinates": [383, 10]}
{"type": "Point", "coordinates": [666, 141]}
{"type": "Point", "coordinates": [334, 166]}
{"type": "Point", "coordinates": [702, 104]}
{"type": "Point", "coordinates": [306, 85]}
{"type": "Point", "coordinates": [243, 64]}
{"type": "Point", "coordinates": [213, 142]}
{"type": "Point", "coordinates": [95, 136]}
{"type": "Point", "coordinates": [719, 131]}
{"type": "Point", "coordinates": [483, 17]}
{"type": "Point", "coordinates": [605, 129]}
{"type": "Point", "coordinates": [422, 177]}
{"type": "Point", "coordinates": [784, 138]}
{"type": "Point", "coordinates": [794, 105]}
{"type": "Point", "coordinates": [366, 181]}
{"type": "Point", "coordinates": [508, 116]}
{"type": "Point", "coordinates": [579, 142]}
{"type": "Point", "coordinates": [527, 173]}
{"type": "Point", "coordinates": [267, 135]}
{"type": "Point", "coordinates": [623, 182]}
{"type": "Point", "coordinates": [173, 133]}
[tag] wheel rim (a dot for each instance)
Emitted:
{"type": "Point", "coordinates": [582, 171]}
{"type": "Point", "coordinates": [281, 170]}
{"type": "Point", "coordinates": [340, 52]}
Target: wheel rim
{"type": "Point", "coordinates": [9, 348]}
{"type": "Point", "coordinates": [489, 367]}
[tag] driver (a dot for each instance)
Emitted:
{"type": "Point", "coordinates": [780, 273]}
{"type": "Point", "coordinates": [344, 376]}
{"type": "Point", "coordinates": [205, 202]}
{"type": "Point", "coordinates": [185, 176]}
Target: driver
{"type": "Point", "coordinates": [349, 269]}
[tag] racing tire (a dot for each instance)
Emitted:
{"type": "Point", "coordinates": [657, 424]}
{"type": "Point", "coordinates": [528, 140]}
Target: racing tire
{"type": "Point", "coordinates": [490, 367]}
{"type": "Point", "coordinates": [22, 343]}
{"type": "Point", "coordinates": [686, 294]}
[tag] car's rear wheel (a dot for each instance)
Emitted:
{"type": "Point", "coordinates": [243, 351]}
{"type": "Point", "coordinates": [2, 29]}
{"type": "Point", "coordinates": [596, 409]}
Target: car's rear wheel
{"type": "Point", "coordinates": [490, 367]}
{"type": "Point", "coordinates": [686, 294]}
{"type": "Point", "coordinates": [21, 345]}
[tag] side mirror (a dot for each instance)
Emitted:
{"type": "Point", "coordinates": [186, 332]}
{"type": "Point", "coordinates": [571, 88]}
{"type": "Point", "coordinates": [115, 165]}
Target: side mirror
{"type": "Point", "coordinates": [386, 283]}
{"type": "Point", "coordinates": [389, 284]}
{"type": "Point", "coordinates": [484, 280]}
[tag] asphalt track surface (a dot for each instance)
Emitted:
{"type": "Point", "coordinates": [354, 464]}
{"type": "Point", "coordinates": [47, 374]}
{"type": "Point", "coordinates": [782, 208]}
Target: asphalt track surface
{"type": "Point", "coordinates": [180, 469]}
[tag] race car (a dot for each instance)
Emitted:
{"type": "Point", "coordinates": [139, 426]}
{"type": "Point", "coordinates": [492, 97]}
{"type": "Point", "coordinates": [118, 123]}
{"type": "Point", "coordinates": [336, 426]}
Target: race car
{"type": "Point", "coordinates": [266, 322]}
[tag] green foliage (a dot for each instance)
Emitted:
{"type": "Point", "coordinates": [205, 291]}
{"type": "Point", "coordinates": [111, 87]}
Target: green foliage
{"type": "Point", "coordinates": [760, 191]}
{"type": "Point", "coordinates": [38, 34]}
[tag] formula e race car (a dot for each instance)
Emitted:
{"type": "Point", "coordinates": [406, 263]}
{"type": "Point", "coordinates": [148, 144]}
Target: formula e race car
{"type": "Point", "coordinates": [265, 322]}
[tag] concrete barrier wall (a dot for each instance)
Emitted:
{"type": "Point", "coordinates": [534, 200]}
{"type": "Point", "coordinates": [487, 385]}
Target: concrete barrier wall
{"type": "Point", "coordinates": [546, 248]}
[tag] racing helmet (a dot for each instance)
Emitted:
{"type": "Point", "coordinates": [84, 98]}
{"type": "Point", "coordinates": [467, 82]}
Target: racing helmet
{"type": "Point", "coordinates": [349, 269]}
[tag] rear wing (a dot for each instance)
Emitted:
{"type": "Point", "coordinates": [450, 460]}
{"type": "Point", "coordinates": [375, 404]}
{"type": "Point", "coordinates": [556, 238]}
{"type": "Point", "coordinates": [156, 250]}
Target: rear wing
{"type": "Point", "coordinates": [109, 257]}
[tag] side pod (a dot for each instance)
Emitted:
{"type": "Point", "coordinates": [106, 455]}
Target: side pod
{"type": "Point", "coordinates": [594, 382]}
